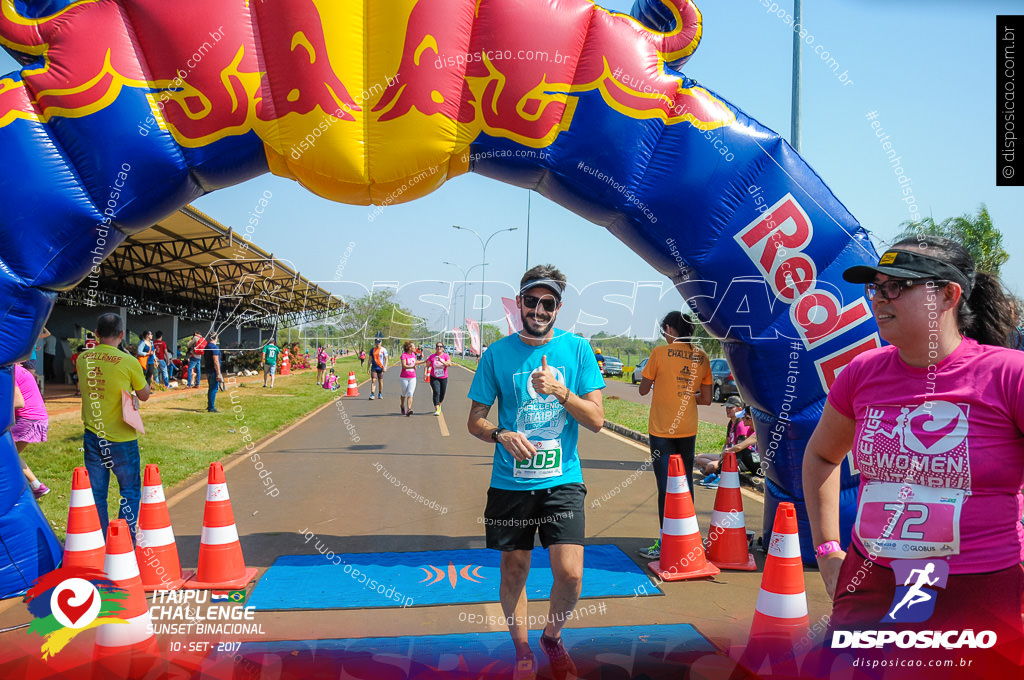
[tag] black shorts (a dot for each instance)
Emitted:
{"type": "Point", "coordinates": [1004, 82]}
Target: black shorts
{"type": "Point", "coordinates": [321, 365]}
{"type": "Point", "coordinates": [512, 517]}
{"type": "Point", "coordinates": [377, 369]}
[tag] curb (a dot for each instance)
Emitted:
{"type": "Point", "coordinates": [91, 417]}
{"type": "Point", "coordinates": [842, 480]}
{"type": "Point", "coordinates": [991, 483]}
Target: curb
{"type": "Point", "coordinates": [755, 483]}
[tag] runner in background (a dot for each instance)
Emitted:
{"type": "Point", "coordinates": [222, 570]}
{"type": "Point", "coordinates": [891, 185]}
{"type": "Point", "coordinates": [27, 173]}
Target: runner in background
{"type": "Point", "coordinates": [546, 383]}
{"type": "Point", "coordinates": [680, 374]}
{"type": "Point", "coordinates": [378, 364]}
{"type": "Point", "coordinates": [948, 397]}
{"type": "Point", "coordinates": [437, 369]}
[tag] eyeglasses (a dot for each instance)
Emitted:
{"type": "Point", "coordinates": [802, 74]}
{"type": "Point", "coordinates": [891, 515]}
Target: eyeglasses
{"type": "Point", "coordinates": [893, 288]}
{"type": "Point", "coordinates": [439, 347]}
{"type": "Point", "coordinates": [548, 303]}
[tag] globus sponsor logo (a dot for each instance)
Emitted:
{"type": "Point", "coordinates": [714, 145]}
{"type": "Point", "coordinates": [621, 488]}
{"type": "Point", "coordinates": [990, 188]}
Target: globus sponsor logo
{"type": "Point", "coordinates": [909, 639]}
{"type": "Point", "coordinates": [775, 242]}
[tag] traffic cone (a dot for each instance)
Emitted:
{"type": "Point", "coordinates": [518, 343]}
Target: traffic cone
{"type": "Point", "coordinates": [353, 388]}
{"type": "Point", "coordinates": [682, 553]}
{"type": "Point", "coordinates": [221, 564]}
{"type": "Point", "coordinates": [782, 603]}
{"type": "Point", "coordinates": [155, 549]}
{"type": "Point", "coordinates": [125, 649]}
{"type": "Point", "coordinates": [727, 538]}
{"type": "Point", "coordinates": [83, 545]}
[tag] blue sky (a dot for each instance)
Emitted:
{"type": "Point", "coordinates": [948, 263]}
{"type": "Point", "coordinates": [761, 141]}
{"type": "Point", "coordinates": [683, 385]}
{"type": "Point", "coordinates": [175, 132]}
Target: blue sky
{"type": "Point", "coordinates": [927, 68]}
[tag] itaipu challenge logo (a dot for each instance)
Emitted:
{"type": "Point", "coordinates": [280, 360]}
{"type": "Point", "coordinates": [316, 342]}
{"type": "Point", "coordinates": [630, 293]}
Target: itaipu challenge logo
{"type": "Point", "coordinates": [70, 600]}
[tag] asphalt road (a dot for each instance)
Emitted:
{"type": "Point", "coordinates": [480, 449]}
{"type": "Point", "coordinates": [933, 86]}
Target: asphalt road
{"type": "Point", "coordinates": [330, 471]}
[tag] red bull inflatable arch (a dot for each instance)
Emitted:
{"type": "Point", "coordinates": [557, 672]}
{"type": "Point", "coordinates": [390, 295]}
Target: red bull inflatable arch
{"type": "Point", "coordinates": [125, 111]}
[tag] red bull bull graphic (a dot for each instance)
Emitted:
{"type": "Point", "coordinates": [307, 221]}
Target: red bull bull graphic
{"type": "Point", "coordinates": [382, 103]}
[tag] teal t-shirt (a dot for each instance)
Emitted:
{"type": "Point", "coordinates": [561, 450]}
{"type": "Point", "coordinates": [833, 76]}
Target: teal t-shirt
{"type": "Point", "coordinates": [504, 374]}
{"type": "Point", "coordinates": [270, 354]}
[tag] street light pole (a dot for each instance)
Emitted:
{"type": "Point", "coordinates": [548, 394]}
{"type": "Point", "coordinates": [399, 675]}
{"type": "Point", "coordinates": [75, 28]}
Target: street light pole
{"type": "Point", "coordinates": [794, 134]}
{"type": "Point", "coordinates": [465, 277]}
{"type": "Point", "coordinates": [483, 273]}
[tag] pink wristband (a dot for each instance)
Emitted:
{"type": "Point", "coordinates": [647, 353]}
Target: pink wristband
{"type": "Point", "coordinates": [827, 548]}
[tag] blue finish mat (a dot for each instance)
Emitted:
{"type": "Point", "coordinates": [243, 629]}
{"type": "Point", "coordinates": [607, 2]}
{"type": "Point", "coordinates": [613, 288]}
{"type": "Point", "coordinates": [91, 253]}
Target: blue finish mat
{"type": "Point", "coordinates": [360, 580]}
{"type": "Point", "coordinates": [663, 651]}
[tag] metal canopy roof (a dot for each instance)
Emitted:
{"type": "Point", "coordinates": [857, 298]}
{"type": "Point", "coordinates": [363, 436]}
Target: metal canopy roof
{"type": "Point", "coordinates": [192, 266]}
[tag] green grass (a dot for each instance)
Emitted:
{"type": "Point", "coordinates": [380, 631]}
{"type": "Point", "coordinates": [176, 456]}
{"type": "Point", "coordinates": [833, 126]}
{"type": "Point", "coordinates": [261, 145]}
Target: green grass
{"type": "Point", "coordinates": [181, 437]}
{"type": "Point", "coordinates": [710, 437]}
{"type": "Point", "coordinates": [468, 362]}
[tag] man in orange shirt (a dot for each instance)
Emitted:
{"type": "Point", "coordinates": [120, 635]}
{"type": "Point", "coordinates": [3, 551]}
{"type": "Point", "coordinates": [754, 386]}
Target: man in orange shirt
{"type": "Point", "coordinates": [680, 374]}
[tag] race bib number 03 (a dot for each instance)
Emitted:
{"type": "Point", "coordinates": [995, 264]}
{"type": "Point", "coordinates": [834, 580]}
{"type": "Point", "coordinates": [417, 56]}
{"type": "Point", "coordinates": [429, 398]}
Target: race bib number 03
{"type": "Point", "coordinates": [547, 462]}
{"type": "Point", "coordinates": [909, 521]}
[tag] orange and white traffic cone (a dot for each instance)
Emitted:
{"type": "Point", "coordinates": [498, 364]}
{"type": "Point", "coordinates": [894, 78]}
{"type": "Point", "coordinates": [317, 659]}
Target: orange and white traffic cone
{"type": "Point", "coordinates": [353, 388]}
{"type": "Point", "coordinates": [125, 649]}
{"type": "Point", "coordinates": [727, 538]}
{"type": "Point", "coordinates": [221, 564]}
{"type": "Point", "coordinates": [83, 545]}
{"type": "Point", "coordinates": [156, 550]}
{"type": "Point", "coordinates": [682, 553]}
{"type": "Point", "coordinates": [782, 603]}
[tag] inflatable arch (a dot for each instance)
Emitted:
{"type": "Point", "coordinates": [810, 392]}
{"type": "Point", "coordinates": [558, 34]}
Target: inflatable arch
{"type": "Point", "coordinates": [126, 110]}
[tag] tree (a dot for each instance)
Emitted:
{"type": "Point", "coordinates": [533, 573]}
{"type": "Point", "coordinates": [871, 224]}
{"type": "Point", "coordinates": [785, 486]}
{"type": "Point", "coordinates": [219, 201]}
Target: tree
{"type": "Point", "coordinates": [976, 233]}
{"type": "Point", "coordinates": [377, 312]}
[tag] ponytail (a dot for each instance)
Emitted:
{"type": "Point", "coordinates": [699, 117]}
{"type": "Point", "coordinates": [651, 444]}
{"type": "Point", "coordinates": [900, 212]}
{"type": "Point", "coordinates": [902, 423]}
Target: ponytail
{"type": "Point", "coordinates": [988, 315]}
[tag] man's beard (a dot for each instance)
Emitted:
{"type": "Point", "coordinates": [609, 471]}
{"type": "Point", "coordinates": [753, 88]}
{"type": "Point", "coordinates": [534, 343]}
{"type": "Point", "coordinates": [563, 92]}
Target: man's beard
{"type": "Point", "coordinates": [539, 329]}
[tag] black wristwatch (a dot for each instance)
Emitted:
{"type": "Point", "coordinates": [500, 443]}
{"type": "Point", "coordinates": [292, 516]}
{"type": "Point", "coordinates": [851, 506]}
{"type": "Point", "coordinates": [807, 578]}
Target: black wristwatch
{"type": "Point", "coordinates": [495, 433]}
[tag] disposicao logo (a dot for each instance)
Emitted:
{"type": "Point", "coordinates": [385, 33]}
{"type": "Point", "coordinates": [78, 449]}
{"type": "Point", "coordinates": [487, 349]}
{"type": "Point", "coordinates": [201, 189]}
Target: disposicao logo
{"type": "Point", "coordinates": [69, 600]}
{"type": "Point", "coordinates": [914, 602]}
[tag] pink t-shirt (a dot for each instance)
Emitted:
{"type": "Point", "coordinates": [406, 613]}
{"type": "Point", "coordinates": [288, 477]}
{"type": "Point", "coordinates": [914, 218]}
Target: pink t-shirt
{"type": "Point", "coordinates": [438, 371]}
{"type": "Point", "coordinates": [932, 444]}
{"type": "Point", "coordinates": [742, 432]}
{"type": "Point", "coordinates": [34, 409]}
{"type": "Point", "coordinates": [406, 371]}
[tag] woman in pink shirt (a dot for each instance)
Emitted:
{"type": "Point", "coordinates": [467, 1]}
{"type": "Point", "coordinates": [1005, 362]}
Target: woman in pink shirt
{"type": "Point", "coordinates": [437, 369]}
{"type": "Point", "coordinates": [31, 422]}
{"type": "Point", "coordinates": [935, 421]}
{"type": "Point", "coordinates": [407, 377]}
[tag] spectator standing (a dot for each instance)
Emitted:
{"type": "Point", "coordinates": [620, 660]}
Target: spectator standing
{"type": "Point", "coordinates": [110, 444]}
{"type": "Point", "coordinates": [74, 369]}
{"type": "Point", "coordinates": [270, 352]}
{"type": "Point", "coordinates": [321, 364]}
{"type": "Point", "coordinates": [50, 358]}
{"type": "Point", "coordinates": [211, 359]}
{"type": "Point", "coordinates": [162, 360]}
{"type": "Point", "coordinates": [680, 374]}
{"type": "Point", "coordinates": [31, 422]}
{"type": "Point", "coordinates": [146, 358]}
{"type": "Point", "coordinates": [194, 353]}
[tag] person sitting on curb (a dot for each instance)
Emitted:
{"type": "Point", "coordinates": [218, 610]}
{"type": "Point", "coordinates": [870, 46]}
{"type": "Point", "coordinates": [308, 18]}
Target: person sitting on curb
{"type": "Point", "coordinates": [745, 448]}
{"type": "Point", "coordinates": [707, 463]}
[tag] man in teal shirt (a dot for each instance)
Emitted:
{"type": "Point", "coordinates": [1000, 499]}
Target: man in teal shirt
{"type": "Point", "coordinates": [546, 382]}
{"type": "Point", "coordinates": [270, 352]}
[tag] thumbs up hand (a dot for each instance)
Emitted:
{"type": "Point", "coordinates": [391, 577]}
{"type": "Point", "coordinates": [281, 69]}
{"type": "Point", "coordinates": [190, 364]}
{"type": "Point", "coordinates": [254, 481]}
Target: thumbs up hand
{"type": "Point", "coordinates": [543, 379]}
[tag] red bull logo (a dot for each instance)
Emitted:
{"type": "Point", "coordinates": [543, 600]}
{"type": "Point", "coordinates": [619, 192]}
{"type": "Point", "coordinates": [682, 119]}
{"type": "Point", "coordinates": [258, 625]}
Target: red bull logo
{"type": "Point", "coordinates": [286, 69]}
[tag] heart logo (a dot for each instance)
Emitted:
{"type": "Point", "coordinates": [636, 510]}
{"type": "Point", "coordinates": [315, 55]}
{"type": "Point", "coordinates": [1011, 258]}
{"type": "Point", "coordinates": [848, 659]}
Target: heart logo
{"type": "Point", "coordinates": [74, 613]}
{"type": "Point", "coordinates": [930, 435]}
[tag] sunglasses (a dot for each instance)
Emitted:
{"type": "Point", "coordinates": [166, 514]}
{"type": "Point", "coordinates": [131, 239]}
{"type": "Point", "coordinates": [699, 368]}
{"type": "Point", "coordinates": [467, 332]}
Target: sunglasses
{"type": "Point", "coordinates": [893, 288]}
{"type": "Point", "coordinates": [548, 303]}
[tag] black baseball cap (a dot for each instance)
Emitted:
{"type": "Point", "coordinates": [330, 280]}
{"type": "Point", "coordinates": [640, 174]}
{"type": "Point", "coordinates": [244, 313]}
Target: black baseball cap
{"type": "Point", "coordinates": [555, 287]}
{"type": "Point", "coordinates": [905, 264]}
{"type": "Point", "coordinates": [734, 401]}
